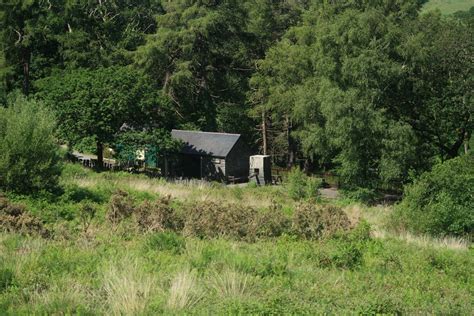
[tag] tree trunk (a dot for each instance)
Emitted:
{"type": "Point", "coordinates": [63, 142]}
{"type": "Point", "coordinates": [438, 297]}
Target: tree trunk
{"type": "Point", "coordinates": [467, 137]}
{"type": "Point", "coordinates": [100, 156]}
{"type": "Point", "coordinates": [26, 71]}
{"type": "Point", "coordinates": [291, 151]}
{"type": "Point", "coordinates": [264, 132]}
{"type": "Point", "coordinates": [453, 151]}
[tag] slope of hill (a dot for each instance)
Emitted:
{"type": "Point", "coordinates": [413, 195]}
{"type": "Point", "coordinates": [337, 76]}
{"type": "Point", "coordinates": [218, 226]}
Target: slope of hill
{"type": "Point", "coordinates": [449, 6]}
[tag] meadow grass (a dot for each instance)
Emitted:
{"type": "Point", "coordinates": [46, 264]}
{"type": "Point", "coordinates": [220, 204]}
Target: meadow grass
{"type": "Point", "coordinates": [448, 6]}
{"type": "Point", "coordinates": [118, 269]}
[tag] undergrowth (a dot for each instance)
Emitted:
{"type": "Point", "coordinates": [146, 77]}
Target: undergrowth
{"type": "Point", "coordinates": [112, 249]}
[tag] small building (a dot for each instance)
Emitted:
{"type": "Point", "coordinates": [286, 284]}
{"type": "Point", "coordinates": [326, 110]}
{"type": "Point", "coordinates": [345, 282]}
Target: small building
{"type": "Point", "coordinates": [211, 156]}
{"type": "Point", "coordinates": [260, 169]}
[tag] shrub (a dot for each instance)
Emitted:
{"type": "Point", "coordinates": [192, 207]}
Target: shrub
{"type": "Point", "coordinates": [312, 187]}
{"type": "Point", "coordinates": [269, 223]}
{"type": "Point", "coordinates": [440, 202]}
{"type": "Point", "coordinates": [300, 186]}
{"type": "Point", "coordinates": [296, 184]}
{"type": "Point", "coordinates": [87, 211]}
{"type": "Point", "coordinates": [29, 155]}
{"type": "Point", "coordinates": [312, 221]}
{"type": "Point", "coordinates": [120, 207]}
{"type": "Point", "coordinates": [157, 216]}
{"type": "Point", "coordinates": [347, 256]}
{"type": "Point", "coordinates": [15, 218]}
{"type": "Point", "coordinates": [210, 220]}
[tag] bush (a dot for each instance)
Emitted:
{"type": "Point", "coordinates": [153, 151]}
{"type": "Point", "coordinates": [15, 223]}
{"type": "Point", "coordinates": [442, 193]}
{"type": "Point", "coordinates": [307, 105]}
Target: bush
{"type": "Point", "coordinates": [120, 206]}
{"type": "Point", "coordinates": [157, 216]}
{"type": "Point", "coordinates": [211, 220]}
{"type": "Point", "coordinates": [15, 218]}
{"type": "Point", "coordinates": [87, 211]}
{"type": "Point", "coordinates": [269, 223]}
{"type": "Point", "coordinates": [313, 221]}
{"type": "Point", "coordinates": [440, 202]}
{"type": "Point", "coordinates": [300, 186]}
{"type": "Point", "coordinates": [29, 155]}
{"type": "Point", "coordinates": [166, 241]}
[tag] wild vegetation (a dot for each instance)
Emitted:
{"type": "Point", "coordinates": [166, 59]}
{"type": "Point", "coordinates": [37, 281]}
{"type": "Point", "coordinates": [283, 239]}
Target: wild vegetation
{"type": "Point", "coordinates": [201, 251]}
{"type": "Point", "coordinates": [377, 94]}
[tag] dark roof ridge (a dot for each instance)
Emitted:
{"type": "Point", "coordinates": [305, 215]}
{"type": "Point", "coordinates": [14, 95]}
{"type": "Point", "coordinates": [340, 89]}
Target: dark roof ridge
{"type": "Point", "coordinates": [217, 133]}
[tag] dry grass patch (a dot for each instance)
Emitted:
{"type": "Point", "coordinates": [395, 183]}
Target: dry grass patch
{"type": "Point", "coordinates": [191, 190]}
{"type": "Point", "coordinates": [184, 292]}
{"type": "Point", "coordinates": [232, 284]}
{"type": "Point", "coordinates": [16, 218]}
{"type": "Point", "coordinates": [448, 242]}
{"type": "Point", "coordinates": [128, 288]}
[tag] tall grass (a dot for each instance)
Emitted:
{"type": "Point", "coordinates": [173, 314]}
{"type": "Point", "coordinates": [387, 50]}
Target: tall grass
{"type": "Point", "coordinates": [121, 269]}
{"type": "Point", "coordinates": [184, 291]}
{"type": "Point", "coordinates": [127, 287]}
{"type": "Point", "coordinates": [231, 284]}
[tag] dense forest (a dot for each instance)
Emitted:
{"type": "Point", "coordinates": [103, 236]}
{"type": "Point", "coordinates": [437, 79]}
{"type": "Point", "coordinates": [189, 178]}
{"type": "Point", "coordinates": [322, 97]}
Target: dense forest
{"type": "Point", "coordinates": [375, 91]}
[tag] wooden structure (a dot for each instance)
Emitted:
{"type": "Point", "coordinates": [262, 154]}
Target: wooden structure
{"type": "Point", "coordinates": [211, 156]}
{"type": "Point", "coordinates": [260, 169]}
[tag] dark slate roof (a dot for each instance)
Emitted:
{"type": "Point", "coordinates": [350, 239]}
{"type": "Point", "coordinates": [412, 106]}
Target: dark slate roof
{"type": "Point", "coordinates": [206, 143]}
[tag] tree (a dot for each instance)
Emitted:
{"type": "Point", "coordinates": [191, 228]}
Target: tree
{"type": "Point", "coordinates": [199, 59]}
{"type": "Point", "coordinates": [438, 82]}
{"type": "Point", "coordinates": [364, 84]}
{"type": "Point", "coordinates": [40, 36]}
{"type": "Point", "coordinates": [99, 102]}
{"type": "Point", "coordinates": [103, 33]}
{"type": "Point", "coordinates": [29, 154]}
{"type": "Point", "coordinates": [27, 31]}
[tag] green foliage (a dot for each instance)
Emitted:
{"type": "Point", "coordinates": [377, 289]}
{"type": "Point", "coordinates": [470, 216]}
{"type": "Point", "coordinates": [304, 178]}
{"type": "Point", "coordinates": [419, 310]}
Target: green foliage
{"type": "Point", "coordinates": [29, 155]}
{"type": "Point", "coordinates": [123, 269]}
{"type": "Point", "coordinates": [300, 186]}
{"type": "Point", "coordinates": [87, 212]}
{"type": "Point", "coordinates": [6, 278]}
{"type": "Point", "coordinates": [363, 195]}
{"type": "Point", "coordinates": [86, 145]}
{"type": "Point", "coordinates": [200, 58]}
{"type": "Point", "coordinates": [440, 201]}
{"type": "Point", "coordinates": [369, 104]}
{"type": "Point", "coordinates": [85, 106]}
{"type": "Point", "coordinates": [39, 37]}
{"type": "Point", "coordinates": [165, 241]}
{"type": "Point", "coordinates": [155, 140]}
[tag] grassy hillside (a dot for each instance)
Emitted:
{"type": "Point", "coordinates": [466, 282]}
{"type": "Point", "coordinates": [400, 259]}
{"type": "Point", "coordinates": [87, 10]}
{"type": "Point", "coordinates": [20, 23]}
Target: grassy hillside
{"type": "Point", "coordinates": [118, 268]}
{"type": "Point", "coordinates": [449, 6]}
